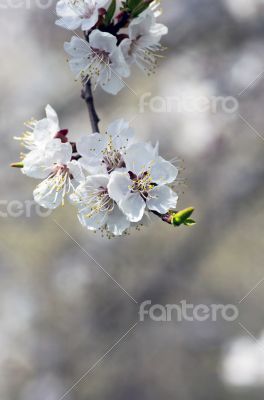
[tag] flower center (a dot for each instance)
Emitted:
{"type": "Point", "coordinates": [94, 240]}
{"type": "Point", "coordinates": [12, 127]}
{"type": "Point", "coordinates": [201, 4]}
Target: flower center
{"type": "Point", "coordinates": [142, 183]}
{"type": "Point", "coordinates": [112, 158]}
{"type": "Point", "coordinates": [99, 201]}
{"type": "Point", "coordinates": [98, 61]}
{"type": "Point", "coordinates": [146, 56]}
{"type": "Point", "coordinates": [101, 55]}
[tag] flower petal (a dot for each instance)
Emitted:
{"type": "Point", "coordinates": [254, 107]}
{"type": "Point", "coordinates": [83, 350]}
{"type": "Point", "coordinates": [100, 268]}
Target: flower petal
{"type": "Point", "coordinates": [121, 134]}
{"type": "Point", "coordinates": [77, 47]}
{"type": "Point", "coordinates": [138, 157]}
{"type": "Point", "coordinates": [91, 147]}
{"type": "Point", "coordinates": [117, 222]}
{"type": "Point", "coordinates": [93, 222]}
{"type": "Point", "coordinates": [35, 165]}
{"type": "Point", "coordinates": [48, 196]}
{"type": "Point", "coordinates": [133, 206]}
{"type": "Point", "coordinates": [88, 23]}
{"type": "Point", "coordinates": [103, 41]}
{"type": "Point", "coordinates": [70, 22]}
{"type": "Point", "coordinates": [162, 199]}
{"type": "Point", "coordinates": [163, 172]}
{"type": "Point", "coordinates": [76, 170]}
{"type": "Point", "coordinates": [112, 85]}
{"type": "Point", "coordinates": [119, 185]}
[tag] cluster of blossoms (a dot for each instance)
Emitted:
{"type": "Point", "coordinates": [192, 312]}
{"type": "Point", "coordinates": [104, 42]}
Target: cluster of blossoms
{"type": "Point", "coordinates": [115, 38]}
{"type": "Point", "coordinates": [114, 181]}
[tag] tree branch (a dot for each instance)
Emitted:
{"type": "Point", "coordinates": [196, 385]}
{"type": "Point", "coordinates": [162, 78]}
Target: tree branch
{"type": "Point", "coordinates": [87, 95]}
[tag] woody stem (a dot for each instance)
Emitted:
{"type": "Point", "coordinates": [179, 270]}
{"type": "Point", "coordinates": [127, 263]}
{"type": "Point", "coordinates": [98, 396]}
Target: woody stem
{"type": "Point", "coordinates": [87, 95]}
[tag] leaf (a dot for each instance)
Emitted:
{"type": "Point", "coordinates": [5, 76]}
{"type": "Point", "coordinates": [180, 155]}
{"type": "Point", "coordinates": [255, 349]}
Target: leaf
{"type": "Point", "coordinates": [131, 4]}
{"type": "Point", "coordinates": [110, 12]}
{"type": "Point", "coordinates": [189, 222]}
{"type": "Point", "coordinates": [138, 10]}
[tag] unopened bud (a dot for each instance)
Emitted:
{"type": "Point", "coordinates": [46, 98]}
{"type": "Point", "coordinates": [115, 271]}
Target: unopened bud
{"type": "Point", "coordinates": [17, 165]}
{"type": "Point", "coordinates": [183, 217]}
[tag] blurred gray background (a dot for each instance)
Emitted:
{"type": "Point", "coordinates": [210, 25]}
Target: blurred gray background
{"type": "Point", "coordinates": [59, 311]}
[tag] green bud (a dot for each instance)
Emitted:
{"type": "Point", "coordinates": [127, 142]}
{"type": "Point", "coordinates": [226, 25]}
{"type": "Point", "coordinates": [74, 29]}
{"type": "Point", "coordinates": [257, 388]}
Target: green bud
{"type": "Point", "coordinates": [183, 217]}
{"type": "Point", "coordinates": [17, 165]}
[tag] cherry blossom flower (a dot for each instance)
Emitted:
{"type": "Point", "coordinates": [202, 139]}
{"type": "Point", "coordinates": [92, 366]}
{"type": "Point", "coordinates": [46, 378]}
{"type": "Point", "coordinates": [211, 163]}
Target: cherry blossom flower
{"type": "Point", "coordinates": [143, 42]}
{"type": "Point", "coordinates": [105, 152]}
{"type": "Point", "coordinates": [96, 210]}
{"type": "Point", "coordinates": [100, 60]}
{"type": "Point", "coordinates": [58, 171]}
{"type": "Point", "coordinates": [40, 132]}
{"type": "Point", "coordinates": [144, 184]}
{"type": "Point", "coordinates": [82, 14]}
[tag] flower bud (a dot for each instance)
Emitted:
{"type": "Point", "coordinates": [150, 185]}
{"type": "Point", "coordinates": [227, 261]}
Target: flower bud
{"type": "Point", "coordinates": [183, 217]}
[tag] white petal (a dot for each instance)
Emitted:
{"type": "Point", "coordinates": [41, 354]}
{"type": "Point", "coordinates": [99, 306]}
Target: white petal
{"type": "Point", "coordinates": [63, 156]}
{"type": "Point", "coordinates": [35, 165]}
{"type": "Point", "coordinates": [76, 170]}
{"type": "Point", "coordinates": [117, 222]}
{"type": "Point", "coordinates": [119, 185]}
{"type": "Point", "coordinates": [47, 196]}
{"type": "Point", "coordinates": [121, 133]}
{"type": "Point", "coordinates": [52, 115]}
{"type": "Point", "coordinates": [102, 3]}
{"type": "Point", "coordinates": [103, 41]}
{"type": "Point", "coordinates": [138, 157]}
{"type": "Point", "coordinates": [163, 172]}
{"type": "Point", "coordinates": [133, 206]}
{"type": "Point", "coordinates": [77, 47]}
{"type": "Point", "coordinates": [88, 23]}
{"type": "Point", "coordinates": [64, 10]}
{"type": "Point", "coordinates": [70, 22]}
{"type": "Point", "coordinates": [159, 30]}
{"type": "Point", "coordinates": [127, 50]}
{"type": "Point", "coordinates": [93, 222]}
{"type": "Point", "coordinates": [95, 167]}
{"type": "Point", "coordinates": [97, 181]}
{"type": "Point", "coordinates": [162, 199]}
{"type": "Point", "coordinates": [118, 63]}
{"type": "Point", "coordinates": [112, 85]}
{"type": "Point", "coordinates": [78, 66]}
{"type": "Point", "coordinates": [91, 147]}
{"type": "Point", "coordinates": [141, 25]}
{"type": "Point", "coordinates": [44, 130]}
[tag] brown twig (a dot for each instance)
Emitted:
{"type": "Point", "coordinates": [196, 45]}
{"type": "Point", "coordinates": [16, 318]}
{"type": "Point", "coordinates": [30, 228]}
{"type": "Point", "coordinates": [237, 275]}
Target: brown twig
{"type": "Point", "coordinates": [87, 95]}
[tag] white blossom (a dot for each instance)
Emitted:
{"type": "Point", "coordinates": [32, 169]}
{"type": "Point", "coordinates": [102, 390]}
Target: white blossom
{"type": "Point", "coordinates": [39, 133]}
{"type": "Point", "coordinates": [82, 14]}
{"type": "Point", "coordinates": [144, 183]}
{"type": "Point", "coordinates": [100, 60]}
{"type": "Point", "coordinates": [96, 210]}
{"type": "Point", "coordinates": [105, 152]}
{"type": "Point", "coordinates": [57, 169]}
{"type": "Point", "coordinates": [143, 43]}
